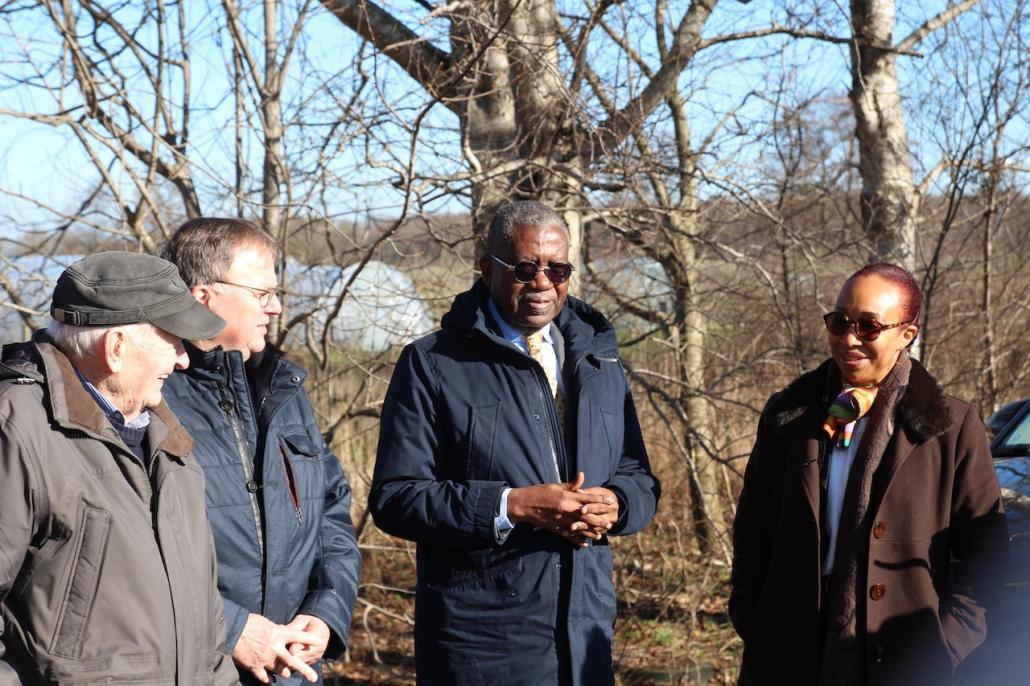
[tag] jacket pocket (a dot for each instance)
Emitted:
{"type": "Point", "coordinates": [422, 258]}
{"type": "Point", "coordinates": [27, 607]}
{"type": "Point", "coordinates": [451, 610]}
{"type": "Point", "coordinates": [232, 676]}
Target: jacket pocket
{"type": "Point", "coordinates": [482, 427]}
{"type": "Point", "coordinates": [84, 578]}
{"type": "Point", "coordinates": [302, 448]}
{"type": "Point", "coordinates": [613, 430]}
{"type": "Point", "coordinates": [447, 568]}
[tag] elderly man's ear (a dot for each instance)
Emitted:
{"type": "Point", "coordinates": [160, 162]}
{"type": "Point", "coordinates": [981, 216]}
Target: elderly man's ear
{"type": "Point", "coordinates": [114, 348]}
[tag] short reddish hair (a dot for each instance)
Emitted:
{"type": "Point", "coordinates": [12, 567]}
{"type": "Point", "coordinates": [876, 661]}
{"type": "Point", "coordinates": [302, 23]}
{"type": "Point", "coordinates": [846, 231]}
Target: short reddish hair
{"type": "Point", "coordinates": [911, 296]}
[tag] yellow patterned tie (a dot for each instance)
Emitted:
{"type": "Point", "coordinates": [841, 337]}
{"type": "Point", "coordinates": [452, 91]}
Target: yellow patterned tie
{"type": "Point", "coordinates": [535, 347]}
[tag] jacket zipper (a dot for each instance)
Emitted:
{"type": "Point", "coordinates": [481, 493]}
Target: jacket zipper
{"type": "Point", "coordinates": [148, 480]}
{"type": "Point", "coordinates": [268, 391]}
{"type": "Point", "coordinates": [149, 472]}
{"type": "Point", "coordinates": [243, 451]}
{"type": "Point", "coordinates": [552, 419]}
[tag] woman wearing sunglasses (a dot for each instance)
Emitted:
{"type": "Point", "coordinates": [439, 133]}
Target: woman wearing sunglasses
{"type": "Point", "coordinates": [870, 527]}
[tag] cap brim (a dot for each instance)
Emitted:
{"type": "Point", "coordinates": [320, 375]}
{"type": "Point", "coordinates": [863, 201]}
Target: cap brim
{"type": "Point", "coordinates": [195, 323]}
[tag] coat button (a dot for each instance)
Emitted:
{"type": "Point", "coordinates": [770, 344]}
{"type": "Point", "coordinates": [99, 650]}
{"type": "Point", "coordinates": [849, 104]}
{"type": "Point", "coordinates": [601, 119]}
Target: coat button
{"type": "Point", "coordinates": [225, 405]}
{"type": "Point", "coordinates": [877, 591]}
{"type": "Point", "coordinates": [252, 486]}
{"type": "Point", "coordinates": [879, 529]}
{"type": "Point", "coordinates": [295, 379]}
{"type": "Point", "coordinates": [878, 653]}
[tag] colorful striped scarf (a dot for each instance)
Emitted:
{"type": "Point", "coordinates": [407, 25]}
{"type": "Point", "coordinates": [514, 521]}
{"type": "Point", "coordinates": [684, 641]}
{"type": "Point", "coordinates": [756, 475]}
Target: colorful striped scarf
{"type": "Point", "coordinates": [851, 405]}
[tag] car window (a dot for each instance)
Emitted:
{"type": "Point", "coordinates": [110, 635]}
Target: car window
{"type": "Point", "coordinates": [1020, 435]}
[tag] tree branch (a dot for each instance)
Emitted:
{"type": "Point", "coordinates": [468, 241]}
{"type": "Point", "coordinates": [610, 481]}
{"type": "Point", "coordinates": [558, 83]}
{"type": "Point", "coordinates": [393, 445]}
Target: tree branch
{"type": "Point", "coordinates": [933, 24]}
{"type": "Point", "coordinates": [780, 30]}
{"type": "Point", "coordinates": [686, 41]}
{"type": "Point", "coordinates": [422, 61]}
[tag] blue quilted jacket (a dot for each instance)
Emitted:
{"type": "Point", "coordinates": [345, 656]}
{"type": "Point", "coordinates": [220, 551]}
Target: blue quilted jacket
{"type": "Point", "coordinates": [285, 542]}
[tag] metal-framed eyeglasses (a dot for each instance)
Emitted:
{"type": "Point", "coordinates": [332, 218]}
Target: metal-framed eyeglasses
{"type": "Point", "coordinates": [263, 295]}
{"type": "Point", "coordinates": [526, 271]}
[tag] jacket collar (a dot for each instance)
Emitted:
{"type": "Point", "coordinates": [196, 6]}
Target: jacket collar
{"type": "Point", "coordinates": [585, 330]}
{"type": "Point", "coordinates": [922, 412]}
{"type": "Point", "coordinates": [212, 363]}
{"type": "Point", "coordinates": [71, 406]}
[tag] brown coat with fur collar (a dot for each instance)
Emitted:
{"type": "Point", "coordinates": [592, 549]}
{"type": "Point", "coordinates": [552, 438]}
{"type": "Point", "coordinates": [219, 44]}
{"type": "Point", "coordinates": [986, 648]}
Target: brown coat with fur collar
{"type": "Point", "coordinates": [936, 539]}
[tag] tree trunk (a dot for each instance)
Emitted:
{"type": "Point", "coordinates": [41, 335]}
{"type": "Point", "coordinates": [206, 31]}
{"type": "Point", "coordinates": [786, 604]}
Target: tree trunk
{"type": "Point", "coordinates": [889, 199]}
{"type": "Point", "coordinates": [512, 105]}
{"type": "Point", "coordinates": [683, 268]}
{"type": "Point", "coordinates": [272, 127]}
{"type": "Point", "coordinates": [990, 389]}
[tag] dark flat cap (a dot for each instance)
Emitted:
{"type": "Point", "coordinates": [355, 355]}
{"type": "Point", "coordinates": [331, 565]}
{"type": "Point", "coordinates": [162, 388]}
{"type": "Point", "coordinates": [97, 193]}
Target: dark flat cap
{"type": "Point", "coordinates": [114, 288]}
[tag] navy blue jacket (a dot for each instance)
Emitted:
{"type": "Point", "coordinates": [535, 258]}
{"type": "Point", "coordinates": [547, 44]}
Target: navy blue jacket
{"type": "Point", "coordinates": [285, 542]}
{"type": "Point", "coordinates": [466, 415]}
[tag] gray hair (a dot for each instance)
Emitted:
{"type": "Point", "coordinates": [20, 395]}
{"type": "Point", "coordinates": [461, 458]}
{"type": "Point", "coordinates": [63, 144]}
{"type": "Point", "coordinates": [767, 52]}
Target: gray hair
{"type": "Point", "coordinates": [203, 249]}
{"type": "Point", "coordinates": [82, 342]}
{"type": "Point", "coordinates": [520, 213]}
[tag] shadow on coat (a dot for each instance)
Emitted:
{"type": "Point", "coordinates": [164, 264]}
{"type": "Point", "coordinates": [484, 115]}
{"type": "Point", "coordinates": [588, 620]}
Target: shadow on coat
{"type": "Point", "coordinates": [596, 667]}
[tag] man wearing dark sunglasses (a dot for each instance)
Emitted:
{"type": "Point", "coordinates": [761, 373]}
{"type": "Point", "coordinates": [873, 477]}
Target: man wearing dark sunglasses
{"type": "Point", "coordinates": [509, 450]}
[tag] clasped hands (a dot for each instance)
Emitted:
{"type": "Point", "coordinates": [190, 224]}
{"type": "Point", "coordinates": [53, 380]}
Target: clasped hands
{"type": "Point", "coordinates": [265, 647]}
{"type": "Point", "coordinates": [579, 515]}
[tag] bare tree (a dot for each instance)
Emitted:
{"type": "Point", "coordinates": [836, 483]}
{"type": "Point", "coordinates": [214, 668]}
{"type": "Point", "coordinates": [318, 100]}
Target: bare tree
{"type": "Point", "coordinates": [890, 201]}
{"type": "Point", "coordinates": [525, 127]}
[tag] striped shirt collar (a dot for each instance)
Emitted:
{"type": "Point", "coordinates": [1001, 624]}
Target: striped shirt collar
{"type": "Point", "coordinates": [141, 421]}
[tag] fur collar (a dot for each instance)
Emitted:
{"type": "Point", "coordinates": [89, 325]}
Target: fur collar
{"type": "Point", "coordinates": [922, 412]}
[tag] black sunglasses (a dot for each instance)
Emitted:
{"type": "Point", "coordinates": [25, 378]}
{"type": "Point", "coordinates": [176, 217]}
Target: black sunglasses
{"type": "Point", "coordinates": [526, 271]}
{"type": "Point", "coordinates": [866, 328]}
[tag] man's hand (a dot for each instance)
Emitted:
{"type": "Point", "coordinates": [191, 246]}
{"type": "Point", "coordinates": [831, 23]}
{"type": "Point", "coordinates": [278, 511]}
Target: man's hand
{"type": "Point", "coordinates": [262, 648]}
{"type": "Point", "coordinates": [598, 517]}
{"type": "Point", "coordinates": [560, 507]}
{"type": "Point", "coordinates": [309, 652]}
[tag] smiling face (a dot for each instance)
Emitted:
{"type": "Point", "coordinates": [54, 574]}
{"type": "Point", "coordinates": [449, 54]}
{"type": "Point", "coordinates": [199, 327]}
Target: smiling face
{"type": "Point", "coordinates": [246, 319]}
{"type": "Point", "coordinates": [150, 356]}
{"type": "Point", "coordinates": [867, 363]}
{"type": "Point", "coordinates": [528, 307]}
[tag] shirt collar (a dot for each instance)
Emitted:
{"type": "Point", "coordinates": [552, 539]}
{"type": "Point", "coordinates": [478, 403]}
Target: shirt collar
{"type": "Point", "coordinates": [509, 334]}
{"type": "Point", "coordinates": [141, 421]}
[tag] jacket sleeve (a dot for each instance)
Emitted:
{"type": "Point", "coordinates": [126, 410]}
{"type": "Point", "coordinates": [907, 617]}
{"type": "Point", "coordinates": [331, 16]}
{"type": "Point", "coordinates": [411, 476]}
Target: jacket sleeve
{"type": "Point", "coordinates": [636, 487]}
{"type": "Point", "coordinates": [752, 528]}
{"type": "Point", "coordinates": [235, 619]}
{"type": "Point", "coordinates": [333, 584]}
{"type": "Point", "coordinates": [409, 498]}
{"type": "Point", "coordinates": [225, 673]}
{"type": "Point", "coordinates": [978, 537]}
{"type": "Point", "coordinates": [21, 498]}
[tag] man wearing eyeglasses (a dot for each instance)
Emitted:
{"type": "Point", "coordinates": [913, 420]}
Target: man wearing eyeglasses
{"type": "Point", "coordinates": [278, 501]}
{"type": "Point", "coordinates": [510, 451]}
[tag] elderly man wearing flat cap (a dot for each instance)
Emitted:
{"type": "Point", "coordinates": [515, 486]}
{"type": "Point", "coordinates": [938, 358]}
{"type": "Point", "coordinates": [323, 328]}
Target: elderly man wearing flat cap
{"type": "Point", "coordinates": [107, 569]}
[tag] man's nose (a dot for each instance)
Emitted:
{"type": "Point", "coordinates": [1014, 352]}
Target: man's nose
{"type": "Point", "coordinates": [541, 281]}
{"type": "Point", "coordinates": [274, 306]}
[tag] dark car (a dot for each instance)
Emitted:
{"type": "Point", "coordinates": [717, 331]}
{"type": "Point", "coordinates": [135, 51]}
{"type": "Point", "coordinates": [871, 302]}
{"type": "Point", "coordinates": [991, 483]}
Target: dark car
{"type": "Point", "coordinates": [1010, 448]}
{"type": "Point", "coordinates": [1002, 660]}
